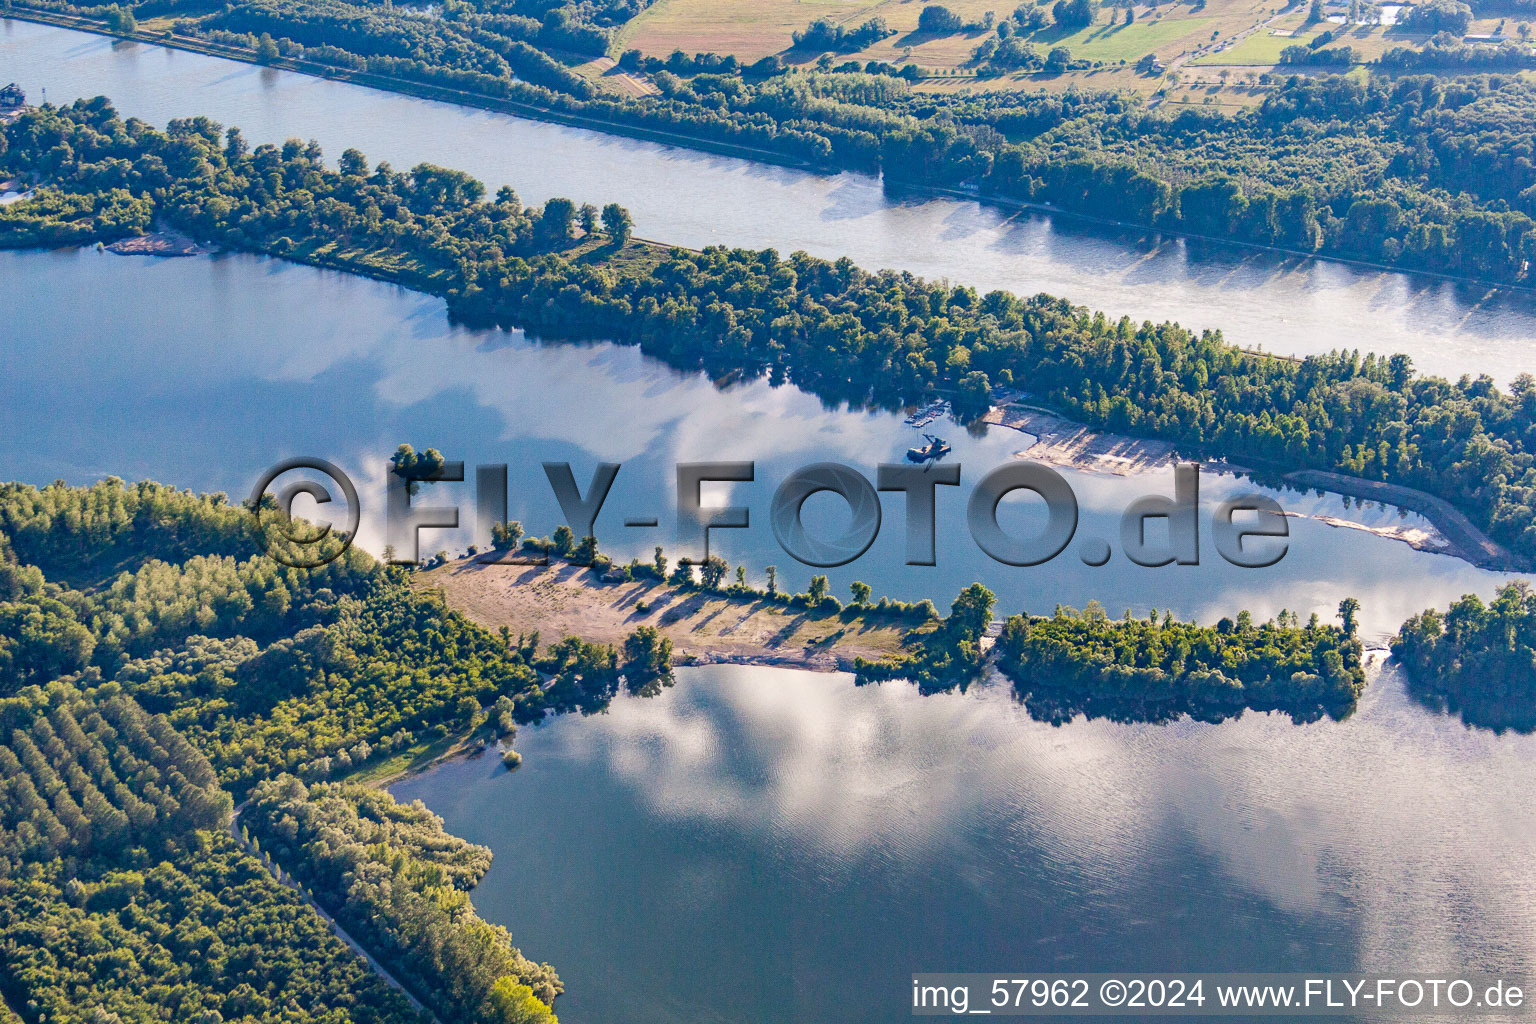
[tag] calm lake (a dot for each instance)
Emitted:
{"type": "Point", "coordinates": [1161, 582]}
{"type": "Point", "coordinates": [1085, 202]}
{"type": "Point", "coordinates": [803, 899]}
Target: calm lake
{"type": "Point", "coordinates": [264, 360]}
{"type": "Point", "coordinates": [695, 199]}
{"type": "Point", "coordinates": [776, 847]}
{"type": "Point", "coordinates": [761, 845]}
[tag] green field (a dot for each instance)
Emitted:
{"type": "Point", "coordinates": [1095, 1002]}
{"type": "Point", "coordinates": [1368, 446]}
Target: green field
{"type": "Point", "coordinates": [1262, 48]}
{"type": "Point", "coordinates": [754, 28]}
{"type": "Point", "coordinates": [1124, 42]}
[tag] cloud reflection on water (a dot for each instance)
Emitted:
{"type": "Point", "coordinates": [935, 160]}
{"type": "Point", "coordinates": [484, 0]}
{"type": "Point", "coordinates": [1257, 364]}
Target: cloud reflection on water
{"type": "Point", "coordinates": [1405, 823]}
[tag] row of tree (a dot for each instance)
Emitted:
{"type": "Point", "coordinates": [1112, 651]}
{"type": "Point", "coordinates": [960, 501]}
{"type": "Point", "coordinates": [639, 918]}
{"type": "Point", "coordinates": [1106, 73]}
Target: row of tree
{"type": "Point", "coordinates": [123, 898]}
{"type": "Point", "coordinates": [399, 883]}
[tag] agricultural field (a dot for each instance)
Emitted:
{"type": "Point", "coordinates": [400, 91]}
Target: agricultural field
{"type": "Point", "coordinates": [752, 29]}
{"type": "Point", "coordinates": [1262, 47]}
{"type": "Point", "coordinates": [1210, 44]}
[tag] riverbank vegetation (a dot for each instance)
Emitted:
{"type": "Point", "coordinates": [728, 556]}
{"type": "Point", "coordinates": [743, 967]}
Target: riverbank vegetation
{"type": "Point", "coordinates": [1412, 170]}
{"type": "Point", "coordinates": [399, 883]}
{"type": "Point", "coordinates": [1477, 660]}
{"type": "Point", "coordinates": [830, 328]}
{"type": "Point", "coordinates": [945, 655]}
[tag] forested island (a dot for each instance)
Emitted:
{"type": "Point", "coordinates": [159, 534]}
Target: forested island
{"type": "Point", "coordinates": [1151, 669]}
{"type": "Point", "coordinates": [1477, 660]}
{"type": "Point", "coordinates": [1417, 171]}
{"type": "Point", "coordinates": [833, 329]}
{"type": "Point", "coordinates": [1140, 669]}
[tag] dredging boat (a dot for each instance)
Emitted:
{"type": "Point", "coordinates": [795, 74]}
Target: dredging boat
{"type": "Point", "coordinates": [935, 449]}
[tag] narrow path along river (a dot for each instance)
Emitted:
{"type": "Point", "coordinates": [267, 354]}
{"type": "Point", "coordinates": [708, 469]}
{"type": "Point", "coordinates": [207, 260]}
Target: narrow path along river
{"type": "Point", "coordinates": [290, 882]}
{"type": "Point", "coordinates": [1256, 298]}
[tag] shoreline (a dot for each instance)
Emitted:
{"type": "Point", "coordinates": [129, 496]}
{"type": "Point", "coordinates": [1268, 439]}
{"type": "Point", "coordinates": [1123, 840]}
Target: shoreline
{"type": "Point", "coordinates": [1069, 444]}
{"type": "Point", "coordinates": [419, 90]}
{"type": "Point", "coordinates": [1463, 537]}
{"type": "Point", "coordinates": [468, 586]}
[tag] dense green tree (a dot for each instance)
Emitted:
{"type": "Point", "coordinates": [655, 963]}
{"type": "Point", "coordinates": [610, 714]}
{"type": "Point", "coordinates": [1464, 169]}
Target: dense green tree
{"type": "Point", "coordinates": [507, 535]}
{"type": "Point", "coordinates": [938, 19]}
{"type": "Point", "coordinates": [514, 1003]}
{"type": "Point", "coordinates": [617, 223]}
{"type": "Point", "coordinates": [120, 20]}
{"type": "Point", "coordinates": [712, 572]}
{"type": "Point", "coordinates": [1476, 659]}
{"type": "Point", "coordinates": [1073, 13]}
{"type": "Point", "coordinates": [647, 663]}
{"type": "Point", "coordinates": [557, 221]}
{"type": "Point", "coordinates": [396, 879]}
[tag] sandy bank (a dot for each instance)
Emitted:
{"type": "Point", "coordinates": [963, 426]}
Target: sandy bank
{"type": "Point", "coordinates": [1068, 443]}
{"type": "Point", "coordinates": [1064, 442]}
{"type": "Point", "coordinates": [1458, 535]}
{"type": "Point", "coordinates": [158, 243]}
{"type": "Point", "coordinates": [567, 600]}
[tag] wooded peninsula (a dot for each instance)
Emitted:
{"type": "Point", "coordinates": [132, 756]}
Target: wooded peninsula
{"type": "Point", "coordinates": [158, 669]}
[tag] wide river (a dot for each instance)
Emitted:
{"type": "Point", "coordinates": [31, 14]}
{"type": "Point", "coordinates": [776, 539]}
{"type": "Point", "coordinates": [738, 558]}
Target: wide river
{"type": "Point", "coordinates": [760, 845]}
